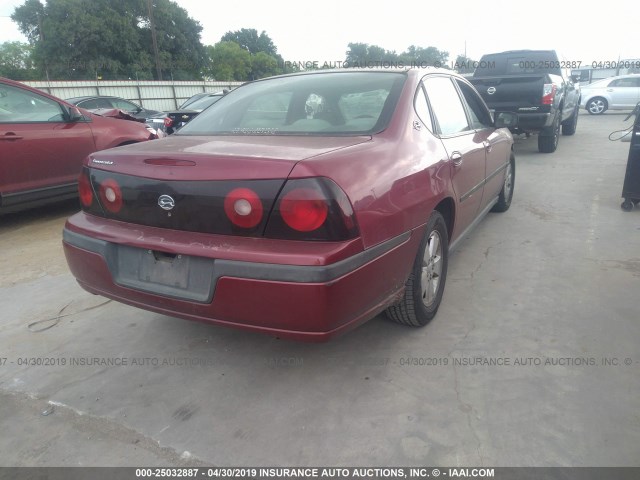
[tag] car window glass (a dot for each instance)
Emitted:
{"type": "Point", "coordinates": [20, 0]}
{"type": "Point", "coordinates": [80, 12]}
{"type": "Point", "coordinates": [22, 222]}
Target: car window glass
{"type": "Point", "coordinates": [94, 103]}
{"type": "Point", "coordinates": [202, 103]}
{"type": "Point", "coordinates": [21, 106]}
{"type": "Point", "coordinates": [344, 103]}
{"type": "Point", "coordinates": [480, 117]}
{"type": "Point", "coordinates": [447, 107]}
{"type": "Point", "coordinates": [124, 105]}
{"type": "Point", "coordinates": [267, 110]}
{"type": "Point", "coordinates": [422, 108]}
{"type": "Point", "coordinates": [362, 105]}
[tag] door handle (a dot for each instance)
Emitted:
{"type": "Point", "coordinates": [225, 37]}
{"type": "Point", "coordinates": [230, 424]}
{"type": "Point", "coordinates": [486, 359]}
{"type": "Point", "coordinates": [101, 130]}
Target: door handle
{"type": "Point", "coordinates": [456, 158]}
{"type": "Point", "coordinates": [10, 136]}
{"type": "Point", "coordinates": [487, 146]}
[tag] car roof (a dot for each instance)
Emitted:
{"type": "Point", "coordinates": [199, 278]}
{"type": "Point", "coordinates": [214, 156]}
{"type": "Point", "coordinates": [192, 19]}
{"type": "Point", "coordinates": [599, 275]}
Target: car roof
{"type": "Point", "coordinates": [392, 69]}
{"type": "Point", "coordinates": [87, 97]}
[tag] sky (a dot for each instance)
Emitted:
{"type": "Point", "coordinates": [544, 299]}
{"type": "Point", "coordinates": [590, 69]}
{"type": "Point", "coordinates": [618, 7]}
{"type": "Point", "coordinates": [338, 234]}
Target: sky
{"type": "Point", "coordinates": [302, 33]}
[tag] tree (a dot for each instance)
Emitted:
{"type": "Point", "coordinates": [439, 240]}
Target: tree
{"type": "Point", "coordinates": [16, 62]}
{"type": "Point", "coordinates": [264, 65]}
{"type": "Point", "coordinates": [178, 36]}
{"type": "Point", "coordinates": [228, 61]}
{"type": "Point", "coordinates": [464, 64]}
{"type": "Point", "coordinates": [29, 17]}
{"type": "Point", "coordinates": [365, 55]}
{"type": "Point", "coordinates": [424, 57]}
{"type": "Point", "coordinates": [249, 39]}
{"type": "Point", "coordinates": [111, 38]}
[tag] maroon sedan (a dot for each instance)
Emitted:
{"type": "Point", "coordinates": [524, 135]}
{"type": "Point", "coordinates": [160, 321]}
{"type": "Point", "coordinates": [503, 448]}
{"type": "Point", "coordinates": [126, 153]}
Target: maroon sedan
{"type": "Point", "coordinates": [297, 206]}
{"type": "Point", "coordinates": [43, 141]}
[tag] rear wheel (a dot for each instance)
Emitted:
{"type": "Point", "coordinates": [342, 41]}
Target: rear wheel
{"type": "Point", "coordinates": [506, 194]}
{"type": "Point", "coordinates": [570, 124]}
{"type": "Point", "coordinates": [597, 106]}
{"type": "Point", "coordinates": [425, 286]}
{"type": "Point", "coordinates": [548, 140]}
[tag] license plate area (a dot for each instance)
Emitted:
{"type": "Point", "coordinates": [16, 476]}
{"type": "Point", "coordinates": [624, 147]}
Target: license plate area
{"type": "Point", "coordinates": [179, 276]}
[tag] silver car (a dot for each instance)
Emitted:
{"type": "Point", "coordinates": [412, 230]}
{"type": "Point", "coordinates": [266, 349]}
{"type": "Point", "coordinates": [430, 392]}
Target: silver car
{"type": "Point", "coordinates": [614, 93]}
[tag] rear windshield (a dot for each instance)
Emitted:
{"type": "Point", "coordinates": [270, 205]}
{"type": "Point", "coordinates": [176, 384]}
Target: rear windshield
{"type": "Point", "coordinates": [518, 63]}
{"type": "Point", "coordinates": [329, 103]}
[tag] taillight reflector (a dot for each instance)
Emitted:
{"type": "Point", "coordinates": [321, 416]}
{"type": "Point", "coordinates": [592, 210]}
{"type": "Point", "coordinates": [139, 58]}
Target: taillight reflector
{"type": "Point", "coordinates": [111, 195]}
{"type": "Point", "coordinates": [243, 207]}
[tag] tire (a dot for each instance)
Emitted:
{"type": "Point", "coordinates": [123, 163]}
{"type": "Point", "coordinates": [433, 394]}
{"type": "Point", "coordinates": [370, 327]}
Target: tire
{"type": "Point", "coordinates": [506, 194]}
{"type": "Point", "coordinates": [425, 286]}
{"type": "Point", "coordinates": [597, 106]}
{"type": "Point", "coordinates": [570, 124]}
{"type": "Point", "coordinates": [548, 141]}
{"type": "Point", "coordinates": [627, 205]}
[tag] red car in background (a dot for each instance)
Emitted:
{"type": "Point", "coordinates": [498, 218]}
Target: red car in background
{"type": "Point", "coordinates": [298, 206]}
{"type": "Point", "coordinates": [43, 141]}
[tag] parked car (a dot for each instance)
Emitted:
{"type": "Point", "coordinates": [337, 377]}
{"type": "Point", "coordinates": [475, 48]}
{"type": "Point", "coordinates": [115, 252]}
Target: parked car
{"type": "Point", "coordinates": [615, 93]}
{"type": "Point", "coordinates": [43, 141]}
{"type": "Point", "coordinates": [299, 205]}
{"type": "Point", "coordinates": [104, 101]}
{"type": "Point", "coordinates": [198, 96]}
{"type": "Point", "coordinates": [536, 85]}
{"type": "Point", "coordinates": [177, 119]}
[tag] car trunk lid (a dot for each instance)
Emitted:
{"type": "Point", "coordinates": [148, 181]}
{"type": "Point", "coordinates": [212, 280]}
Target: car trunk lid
{"type": "Point", "coordinates": [218, 158]}
{"type": "Point", "coordinates": [184, 183]}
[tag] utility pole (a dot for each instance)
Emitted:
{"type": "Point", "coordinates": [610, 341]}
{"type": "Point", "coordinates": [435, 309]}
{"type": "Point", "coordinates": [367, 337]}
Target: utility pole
{"type": "Point", "coordinates": [154, 40]}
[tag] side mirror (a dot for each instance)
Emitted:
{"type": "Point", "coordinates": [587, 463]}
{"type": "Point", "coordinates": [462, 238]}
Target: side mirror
{"type": "Point", "coordinates": [506, 120]}
{"type": "Point", "coordinates": [74, 115]}
{"type": "Point", "coordinates": [575, 78]}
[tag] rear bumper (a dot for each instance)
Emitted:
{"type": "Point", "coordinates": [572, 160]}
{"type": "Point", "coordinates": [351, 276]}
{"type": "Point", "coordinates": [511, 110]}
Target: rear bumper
{"type": "Point", "coordinates": [305, 302]}
{"type": "Point", "coordinates": [534, 122]}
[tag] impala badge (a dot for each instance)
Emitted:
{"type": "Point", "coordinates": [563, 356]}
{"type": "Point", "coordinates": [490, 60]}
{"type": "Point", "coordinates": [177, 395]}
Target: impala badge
{"type": "Point", "coordinates": [166, 202]}
{"type": "Point", "coordinates": [491, 90]}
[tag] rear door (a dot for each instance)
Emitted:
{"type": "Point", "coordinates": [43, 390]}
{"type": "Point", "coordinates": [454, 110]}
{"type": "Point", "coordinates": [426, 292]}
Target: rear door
{"type": "Point", "coordinates": [38, 148]}
{"type": "Point", "coordinates": [497, 146]}
{"type": "Point", "coordinates": [465, 147]}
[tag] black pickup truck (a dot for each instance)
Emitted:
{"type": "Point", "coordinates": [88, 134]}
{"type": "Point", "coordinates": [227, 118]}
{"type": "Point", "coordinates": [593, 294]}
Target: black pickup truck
{"type": "Point", "coordinates": [536, 85]}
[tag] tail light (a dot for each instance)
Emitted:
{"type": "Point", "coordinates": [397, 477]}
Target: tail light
{"type": "Point", "coordinates": [243, 207]}
{"type": "Point", "coordinates": [84, 189]}
{"type": "Point", "coordinates": [312, 209]}
{"type": "Point", "coordinates": [309, 209]}
{"type": "Point", "coordinates": [110, 195]}
{"type": "Point", "coordinates": [168, 122]}
{"type": "Point", "coordinates": [548, 93]}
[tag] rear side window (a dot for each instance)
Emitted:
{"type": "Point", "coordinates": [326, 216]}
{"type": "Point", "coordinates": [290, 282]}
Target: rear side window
{"type": "Point", "coordinates": [422, 108]}
{"type": "Point", "coordinates": [480, 117]}
{"type": "Point", "coordinates": [626, 83]}
{"type": "Point", "coordinates": [448, 110]}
